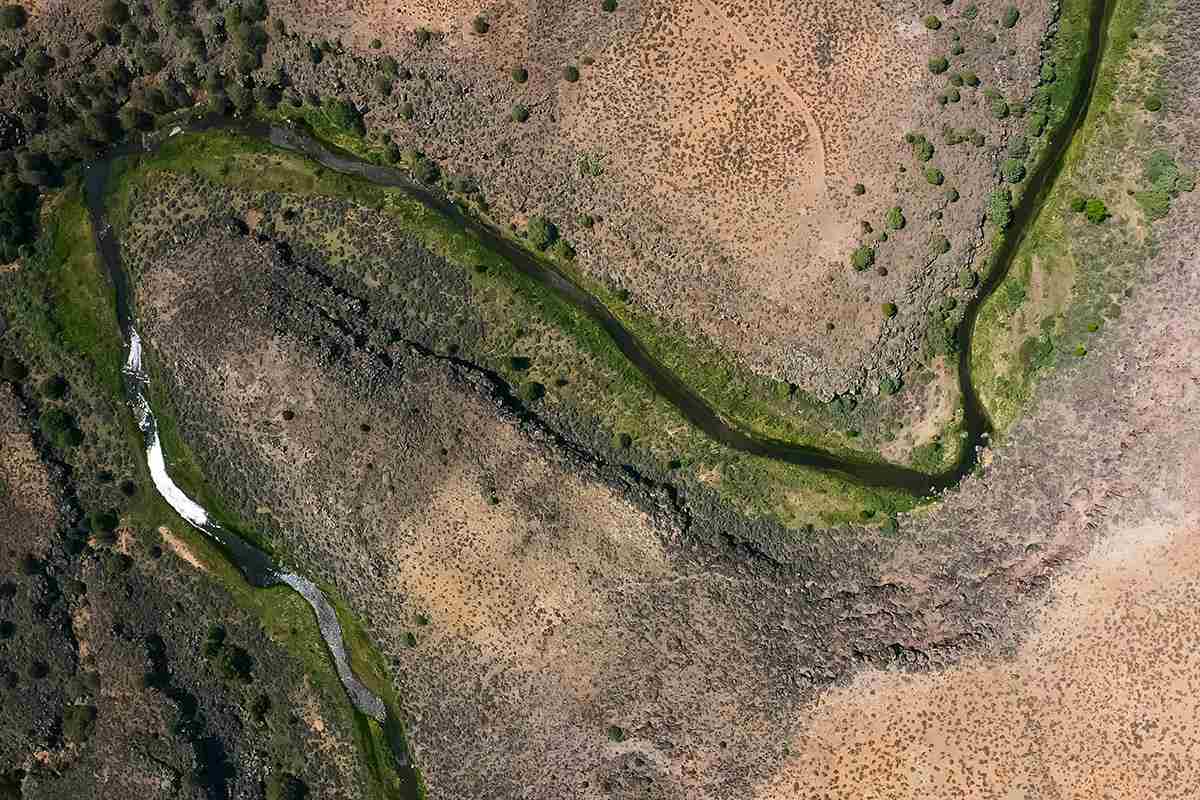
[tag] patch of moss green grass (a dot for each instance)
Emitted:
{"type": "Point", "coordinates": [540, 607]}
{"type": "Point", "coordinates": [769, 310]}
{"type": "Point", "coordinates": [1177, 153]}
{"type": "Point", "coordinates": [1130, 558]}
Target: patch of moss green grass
{"type": "Point", "coordinates": [1015, 342]}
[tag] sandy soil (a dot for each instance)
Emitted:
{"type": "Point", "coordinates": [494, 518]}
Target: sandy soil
{"type": "Point", "coordinates": [1099, 701]}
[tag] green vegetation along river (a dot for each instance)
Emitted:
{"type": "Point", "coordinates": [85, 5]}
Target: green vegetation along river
{"type": "Point", "coordinates": [260, 570]}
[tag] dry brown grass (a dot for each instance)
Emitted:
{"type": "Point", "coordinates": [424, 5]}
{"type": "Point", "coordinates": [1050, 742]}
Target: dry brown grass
{"type": "Point", "coordinates": [1098, 701]}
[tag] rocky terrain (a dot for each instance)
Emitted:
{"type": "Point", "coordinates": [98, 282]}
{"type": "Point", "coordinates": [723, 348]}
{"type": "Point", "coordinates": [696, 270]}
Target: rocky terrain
{"type": "Point", "coordinates": [560, 614]}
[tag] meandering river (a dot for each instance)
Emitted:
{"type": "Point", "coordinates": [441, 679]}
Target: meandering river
{"type": "Point", "coordinates": [260, 570]}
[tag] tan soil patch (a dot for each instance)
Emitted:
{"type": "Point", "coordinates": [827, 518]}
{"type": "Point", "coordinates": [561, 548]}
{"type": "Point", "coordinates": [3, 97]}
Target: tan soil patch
{"type": "Point", "coordinates": [180, 548]}
{"type": "Point", "coordinates": [932, 410]}
{"type": "Point", "coordinates": [1099, 702]}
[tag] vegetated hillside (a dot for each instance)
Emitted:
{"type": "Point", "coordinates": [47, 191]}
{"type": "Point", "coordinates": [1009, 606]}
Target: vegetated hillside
{"type": "Point", "coordinates": [719, 162]}
{"type": "Point", "coordinates": [126, 668]}
{"type": "Point", "coordinates": [796, 189]}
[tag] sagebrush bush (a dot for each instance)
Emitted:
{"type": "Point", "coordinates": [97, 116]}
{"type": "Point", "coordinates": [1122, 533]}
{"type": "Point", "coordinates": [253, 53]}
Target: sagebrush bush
{"type": "Point", "coordinates": [1013, 170]}
{"type": "Point", "coordinates": [938, 65]}
{"type": "Point", "coordinates": [932, 22]}
{"type": "Point", "coordinates": [520, 75]}
{"type": "Point", "coordinates": [999, 208]}
{"type": "Point", "coordinates": [520, 113]}
{"type": "Point", "coordinates": [895, 218]}
{"type": "Point", "coordinates": [1095, 211]}
{"type": "Point", "coordinates": [1018, 147]}
{"type": "Point", "coordinates": [541, 232]}
{"type": "Point", "coordinates": [1010, 16]}
{"type": "Point", "coordinates": [862, 258]}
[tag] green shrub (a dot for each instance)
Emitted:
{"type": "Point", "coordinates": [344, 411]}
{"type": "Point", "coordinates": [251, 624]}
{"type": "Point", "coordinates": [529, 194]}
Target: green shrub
{"type": "Point", "coordinates": [345, 116]}
{"type": "Point", "coordinates": [1162, 172]}
{"type": "Point", "coordinates": [237, 664]}
{"type": "Point", "coordinates": [616, 733]}
{"type": "Point", "coordinates": [953, 95]}
{"type": "Point", "coordinates": [564, 250]}
{"type": "Point", "coordinates": [895, 218]}
{"type": "Point", "coordinates": [609, 5]}
{"type": "Point", "coordinates": [957, 49]}
{"type": "Point", "coordinates": [923, 149]}
{"type": "Point", "coordinates": [54, 387]}
{"type": "Point", "coordinates": [480, 25]}
{"type": "Point", "coordinates": [938, 65]}
{"type": "Point", "coordinates": [1013, 170]}
{"type": "Point", "coordinates": [889, 310]}
{"type": "Point", "coordinates": [934, 176]}
{"type": "Point", "coordinates": [570, 73]}
{"type": "Point", "coordinates": [1010, 16]}
{"type": "Point", "coordinates": [859, 189]}
{"type": "Point", "coordinates": [376, 44]}
{"type": "Point", "coordinates": [520, 75]}
{"type": "Point", "coordinates": [1155, 203]}
{"type": "Point", "coordinates": [889, 386]}
{"type": "Point", "coordinates": [532, 391]}
{"type": "Point", "coordinates": [1048, 73]}
{"type": "Point", "coordinates": [1095, 211]}
{"type": "Point", "coordinates": [999, 208]}
{"type": "Point", "coordinates": [520, 113]}
{"type": "Point", "coordinates": [952, 195]}
{"type": "Point", "coordinates": [862, 257]}
{"type": "Point", "coordinates": [971, 11]}
{"type": "Point", "coordinates": [422, 36]}
{"type": "Point", "coordinates": [1018, 147]}
{"type": "Point", "coordinates": [932, 22]}
{"type": "Point", "coordinates": [389, 67]}
{"type": "Point", "coordinates": [103, 521]}
{"type": "Point", "coordinates": [59, 428]}
{"type": "Point", "coordinates": [541, 232]}
{"type": "Point", "coordinates": [286, 786]}
{"type": "Point", "coordinates": [939, 244]}
{"type": "Point", "coordinates": [967, 279]}
{"type": "Point", "coordinates": [1078, 203]}
{"type": "Point", "coordinates": [13, 370]}
{"type": "Point", "coordinates": [970, 79]}
{"type": "Point", "coordinates": [12, 17]}
{"type": "Point", "coordinates": [79, 722]}
{"type": "Point", "coordinates": [1153, 103]}
{"type": "Point", "coordinates": [999, 108]}
{"type": "Point", "coordinates": [423, 168]}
